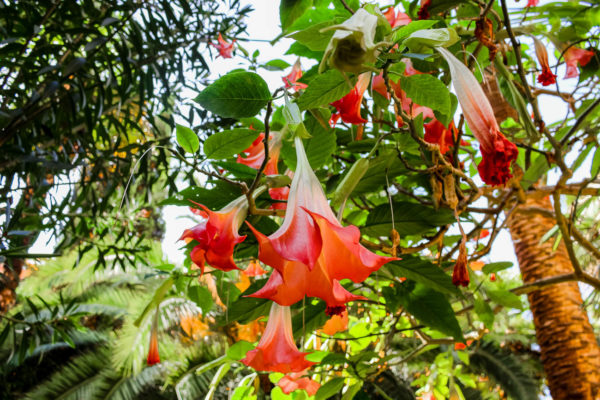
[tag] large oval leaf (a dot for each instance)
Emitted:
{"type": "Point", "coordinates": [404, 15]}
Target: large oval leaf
{"type": "Point", "coordinates": [227, 143]}
{"type": "Point", "coordinates": [238, 94]}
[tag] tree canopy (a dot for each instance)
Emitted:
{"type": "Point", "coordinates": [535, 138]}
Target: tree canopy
{"type": "Point", "coordinates": [339, 221]}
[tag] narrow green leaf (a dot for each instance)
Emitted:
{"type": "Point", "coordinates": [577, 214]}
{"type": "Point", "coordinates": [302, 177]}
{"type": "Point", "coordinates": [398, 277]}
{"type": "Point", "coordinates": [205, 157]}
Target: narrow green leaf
{"type": "Point", "coordinates": [484, 311]}
{"type": "Point", "coordinates": [319, 147]}
{"type": "Point", "coordinates": [329, 389]}
{"type": "Point", "coordinates": [496, 266]}
{"type": "Point", "coordinates": [313, 38]}
{"type": "Point", "coordinates": [409, 219]}
{"type": "Point", "coordinates": [238, 94]}
{"type": "Point", "coordinates": [505, 298]}
{"type": "Point", "coordinates": [414, 26]}
{"type": "Point", "coordinates": [187, 139]}
{"type": "Point", "coordinates": [324, 89]}
{"type": "Point", "coordinates": [224, 144]}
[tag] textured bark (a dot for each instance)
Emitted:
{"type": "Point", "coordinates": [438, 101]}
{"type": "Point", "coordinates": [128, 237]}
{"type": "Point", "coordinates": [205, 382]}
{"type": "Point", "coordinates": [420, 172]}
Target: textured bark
{"type": "Point", "coordinates": [569, 349]}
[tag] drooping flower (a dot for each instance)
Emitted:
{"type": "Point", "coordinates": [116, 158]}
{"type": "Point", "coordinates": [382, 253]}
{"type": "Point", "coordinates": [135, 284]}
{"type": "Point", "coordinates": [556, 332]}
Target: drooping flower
{"type": "Point", "coordinates": [153, 357]}
{"type": "Point", "coordinates": [396, 19]}
{"type": "Point", "coordinates": [437, 133]}
{"type": "Point", "coordinates": [298, 381]}
{"type": "Point", "coordinates": [217, 235]}
{"type": "Point", "coordinates": [497, 151]}
{"type": "Point", "coordinates": [254, 269]}
{"type": "Point", "coordinates": [460, 274]}
{"type": "Point", "coordinates": [224, 48]}
{"type": "Point", "coordinates": [277, 351]}
{"type": "Point", "coordinates": [573, 56]}
{"type": "Point", "coordinates": [348, 107]}
{"type": "Point", "coordinates": [423, 12]}
{"type": "Point", "coordinates": [311, 252]}
{"type": "Point", "coordinates": [352, 45]}
{"type": "Point", "coordinates": [532, 3]}
{"type": "Point", "coordinates": [546, 77]}
{"type": "Point", "coordinates": [291, 80]}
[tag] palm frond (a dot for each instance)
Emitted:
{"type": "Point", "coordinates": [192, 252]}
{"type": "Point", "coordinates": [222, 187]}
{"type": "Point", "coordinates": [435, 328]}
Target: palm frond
{"type": "Point", "coordinates": [505, 369]}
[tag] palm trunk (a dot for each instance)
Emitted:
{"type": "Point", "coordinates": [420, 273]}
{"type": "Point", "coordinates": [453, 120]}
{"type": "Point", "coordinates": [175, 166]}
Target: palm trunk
{"type": "Point", "coordinates": [569, 350]}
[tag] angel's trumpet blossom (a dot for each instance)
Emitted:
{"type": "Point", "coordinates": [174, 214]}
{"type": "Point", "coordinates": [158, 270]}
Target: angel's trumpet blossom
{"type": "Point", "coordinates": [277, 351]}
{"type": "Point", "coordinates": [291, 80]}
{"type": "Point", "coordinates": [224, 48]}
{"type": "Point", "coordinates": [153, 357]}
{"type": "Point", "coordinates": [352, 45]}
{"type": "Point", "coordinates": [573, 56]}
{"type": "Point", "coordinates": [217, 234]}
{"type": "Point", "coordinates": [348, 107]}
{"type": "Point", "coordinates": [311, 252]}
{"type": "Point", "coordinates": [497, 151]}
{"type": "Point", "coordinates": [546, 77]}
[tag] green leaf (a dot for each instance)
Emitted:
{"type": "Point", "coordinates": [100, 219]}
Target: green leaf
{"type": "Point", "coordinates": [414, 26]}
{"type": "Point", "coordinates": [309, 320]}
{"type": "Point", "coordinates": [428, 91]}
{"type": "Point", "coordinates": [375, 177]}
{"type": "Point", "coordinates": [217, 197]}
{"type": "Point", "coordinates": [239, 349]}
{"type": "Point", "coordinates": [247, 309]}
{"type": "Point", "coordinates": [329, 389]}
{"type": "Point", "coordinates": [409, 219]}
{"type": "Point", "coordinates": [313, 38]}
{"type": "Point", "coordinates": [291, 10]}
{"type": "Point", "coordinates": [484, 311]}
{"type": "Point", "coordinates": [324, 89]}
{"type": "Point", "coordinates": [505, 298]}
{"type": "Point", "coordinates": [202, 297]}
{"type": "Point", "coordinates": [352, 391]}
{"type": "Point", "coordinates": [238, 94]}
{"type": "Point", "coordinates": [276, 65]}
{"type": "Point", "coordinates": [496, 266]}
{"type": "Point", "coordinates": [224, 144]}
{"type": "Point", "coordinates": [238, 170]}
{"type": "Point", "coordinates": [187, 139]}
{"type": "Point", "coordinates": [319, 147]}
{"type": "Point", "coordinates": [422, 271]}
{"type": "Point", "coordinates": [538, 167]}
{"type": "Point", "coordinates": [595, 169]}
{"type": "Point", "coordinates": [430, 307]}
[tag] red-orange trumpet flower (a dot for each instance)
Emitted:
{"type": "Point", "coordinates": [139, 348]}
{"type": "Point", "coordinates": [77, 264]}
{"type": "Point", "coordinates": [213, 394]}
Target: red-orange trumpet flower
{"type": "Point", "coordinates": [436, 132]}
{"type": "Point", "coordinates": [396, 19]}
{"type": "Point", "coordinates": [348, 107]}
{"type": "Point", "coordinates": [311, 252]}
{"type": "Point", "coordinates": [218, 234]}
{"type": "Point", "coordinates": [573, 56]}
{"type": "Point", "coordinates": [224, 48]}
{"type": "Point", "coordinates": [277, 351]}
{"type": "Point", "coordinates": [546, 77]}
{"type": "Point", "coordinates": [291, 80]}
{"type": "Point", "coordinates": [153, 357]}
{"type": "Point", "coordinates": [497, 151]}
{"type": "Point", "coordinates": [298, 381]}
